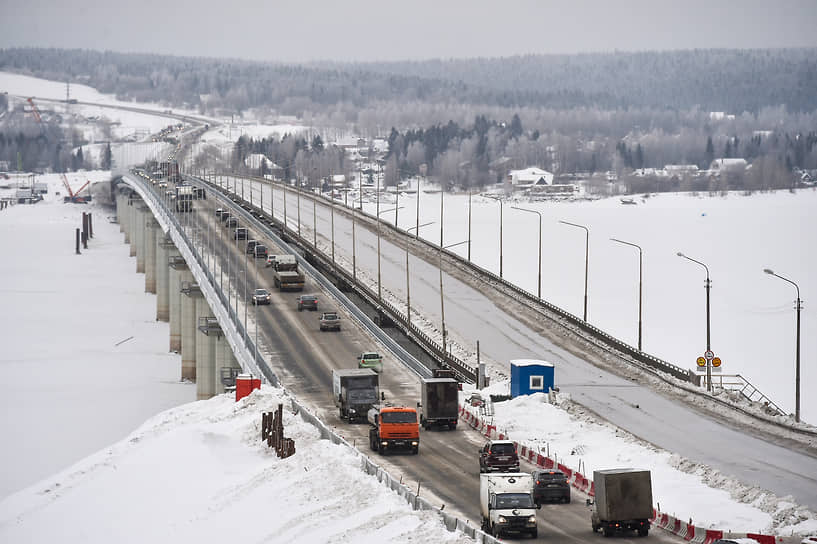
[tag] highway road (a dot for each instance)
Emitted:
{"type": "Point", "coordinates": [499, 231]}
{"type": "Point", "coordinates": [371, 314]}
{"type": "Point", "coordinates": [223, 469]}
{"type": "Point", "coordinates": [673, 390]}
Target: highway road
{"type": "Point", "coordinates": [506, 330]}
{"type": "Point", "coordinates": [446, 468]}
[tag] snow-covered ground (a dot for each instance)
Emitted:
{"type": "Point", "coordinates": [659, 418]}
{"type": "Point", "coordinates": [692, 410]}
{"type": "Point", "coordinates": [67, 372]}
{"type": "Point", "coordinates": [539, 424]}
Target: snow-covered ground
{"type": "Point", "coordinates": [200, 473]}
{"type": "Point", "coordinates": [84, 360]}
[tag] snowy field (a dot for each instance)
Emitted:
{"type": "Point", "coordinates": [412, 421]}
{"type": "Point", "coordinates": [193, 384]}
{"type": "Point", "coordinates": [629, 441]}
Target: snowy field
{"type": "Point", "coordinates": [736, 236]}
{"type": "Point", "coordinates": [200, 473]}
{"type": "Point", "coordinates": [71, 387]}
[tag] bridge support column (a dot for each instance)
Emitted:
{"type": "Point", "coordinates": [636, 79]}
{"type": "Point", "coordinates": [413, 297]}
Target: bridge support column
{"type": "Point", "coordinates": [174, 294]}
{"type": "Point", "coordinates": [151, 228]}
{"type": "Point", "coordinates": [133, 203]}
{"type": "Point", "coordinates": [222, 349]}
{"type": "Point", "coordinates": [162, 279]}
{"type": "Point", "coordinates": [139, 234]}
{"type": "Point", "coordinates": [120, 198]}
{"type": "Point", "coordinates": [205, 353]}
{"type": "Point", "coordinates": [188, 326]}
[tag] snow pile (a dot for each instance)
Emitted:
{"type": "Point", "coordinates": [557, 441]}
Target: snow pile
{"type": "Point", "coordinates": [569, 434]}
{"type": "Point", "coordinates": [200, 473]}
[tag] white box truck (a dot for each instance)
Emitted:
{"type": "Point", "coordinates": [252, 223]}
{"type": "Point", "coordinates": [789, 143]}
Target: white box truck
{"type": "Point", "coordinates": [506, 504]}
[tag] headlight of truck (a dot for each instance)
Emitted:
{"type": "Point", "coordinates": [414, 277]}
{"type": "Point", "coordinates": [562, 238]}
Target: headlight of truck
{"type": "Point", "coordinates": [384, 443]}
{"type": "Point", "coordinates": [414, 443]}
{"type": "Point", "coordinates": [502, 519]}
{"type": "Point", "coordinates": [532, 520]}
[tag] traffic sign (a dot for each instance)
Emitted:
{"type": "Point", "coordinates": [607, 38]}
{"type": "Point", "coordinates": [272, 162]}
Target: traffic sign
{"type": "Point", "coordinates": [716, 362]}
{"type": "Point", "coordinates": [701, 361]}
{"type": "Point", "coordinates": [709, 354]}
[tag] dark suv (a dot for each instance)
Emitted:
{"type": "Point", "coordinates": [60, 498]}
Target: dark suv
{"type": "Point", "coordinates": [498, 456]}
{"type": "Point", "coordinates": [550, 485]}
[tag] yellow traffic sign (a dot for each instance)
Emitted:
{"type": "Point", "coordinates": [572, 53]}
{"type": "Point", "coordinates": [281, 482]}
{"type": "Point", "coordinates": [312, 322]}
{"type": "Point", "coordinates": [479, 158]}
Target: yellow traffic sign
{"type": "Point", "coordinates": [716, 361]}
{"type": "Point", "coordinates": [701, 361]}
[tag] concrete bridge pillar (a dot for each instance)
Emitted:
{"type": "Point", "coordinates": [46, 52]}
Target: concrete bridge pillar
{"type": "Point", "coordinates": [225, 358]}
{"type": "Point", "coordinates": [133, 203]}
{"type": "Point", "coordinates": [139, 234]}
{"type": "Point", "coordinates": [188, 326]}
{"type": "Point", "coordinates": [162, 279]}
{"type": "Point", "coordinates": [118, 200]}
{"type": "Point", "coordinates": [125, 217]}
{"type": "Point", "coordinates": [205, 352]}
{"type": "Point", "coordinates": [174, 293]}
{"type": "Point", "coordinates": [151, 228]}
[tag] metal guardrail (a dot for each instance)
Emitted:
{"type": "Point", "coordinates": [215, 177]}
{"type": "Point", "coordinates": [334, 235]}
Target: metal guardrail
{"type": "Point", "coordinates": [739, 384]}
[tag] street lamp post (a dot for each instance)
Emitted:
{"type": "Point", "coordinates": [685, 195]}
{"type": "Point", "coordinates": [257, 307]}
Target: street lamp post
{"type": "Point", "coordinates": [798, 305]}
{"type": "Point", "coordinates": [442, 298]}
{"type": "Point", "coordinates": [707, 286]}
{"type": "Point", "coordinates": [640, 262]}
{"type": "Point", "coordinates": [379, 290]}
{"type": "Point", "coordinates": [408, 286]}
{"type": "Point", "coordinates": [500, 231]}
{"type": "Point", "coordinates": [539, 290]}
{"type": "Point", "coordinates": [586, 259]}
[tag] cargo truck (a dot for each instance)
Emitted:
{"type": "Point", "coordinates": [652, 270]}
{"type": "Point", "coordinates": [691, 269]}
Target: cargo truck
{"type": "Point", "coordinates": [393, 428]}
{"type": "Point", "coordinates": [506, 504]}
{"type": "Point", "coordinates": [623, 501]}
{"type": "Point", "coordinates": [355, 391]}
{"type": "Point", "coordinates": [184, 198]}
{"type": "Point", "coordinates": [439, 402]}
{"type": "Point", "coordinates": [286, 275]}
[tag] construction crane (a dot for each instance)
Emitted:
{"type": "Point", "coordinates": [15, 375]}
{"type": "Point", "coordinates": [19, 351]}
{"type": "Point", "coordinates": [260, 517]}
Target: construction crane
{"type": "Point", "coordinates": [37, 115]}
{"type": "Point", "coordinates": [72, 196]}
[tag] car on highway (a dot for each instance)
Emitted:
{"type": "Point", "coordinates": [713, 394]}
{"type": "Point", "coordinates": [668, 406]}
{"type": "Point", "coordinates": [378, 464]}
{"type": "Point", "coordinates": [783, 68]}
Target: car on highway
{"type": "Point", "coordinates": [240, 233]}
{"type": "Point", "coordinates": [251, 246]}
{"type": "Point", "coordinates": [498, 456]}
{"type": "Point", "coordinates": [370, 359]}
{"type": "Point", "coordinates": [260, 251]}
{"type": "Point", "coordinates": [549, 485]}
{"type": "Point", "coordinates": [224, 215]}
{"type": "Point", "coordinates": [330, 321]}
{"type": "Point", "coordinates": [231, 223]}
{"type": "Point", "coordinates": [261, 296]}
{"type": "Point", "coordinates": [308, 302]}
{"type": "Point", "coordinates": [219, 211]}
{"type": "Point", "coordinates": [270, 260]}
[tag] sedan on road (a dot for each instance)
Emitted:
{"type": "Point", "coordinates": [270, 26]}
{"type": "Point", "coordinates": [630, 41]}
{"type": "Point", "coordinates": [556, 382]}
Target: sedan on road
{"type": "Point", "coordinates": [308, 302]}
{"type": "Point", "coordinates": [260, 296]}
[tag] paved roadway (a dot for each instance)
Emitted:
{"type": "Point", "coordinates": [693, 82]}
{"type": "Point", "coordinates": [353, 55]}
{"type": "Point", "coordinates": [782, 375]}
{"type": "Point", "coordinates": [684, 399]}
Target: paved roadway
{"type": "Point", "coordinates": [303, 357]}
{"type": "Point", "coordinates": [474, 312]}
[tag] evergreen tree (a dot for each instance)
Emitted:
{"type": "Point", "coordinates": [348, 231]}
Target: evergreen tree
{"type": "Point", "coordinates": [516, 126]}
{"type": "Point", "coordinates": [106, 157]}
{"type": "Point", "coordinates": [710, 152]}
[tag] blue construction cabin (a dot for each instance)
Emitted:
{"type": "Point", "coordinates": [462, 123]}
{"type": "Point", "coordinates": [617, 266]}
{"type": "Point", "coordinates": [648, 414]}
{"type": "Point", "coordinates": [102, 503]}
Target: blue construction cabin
{"type": "Point", "coordinates": [530, 376]}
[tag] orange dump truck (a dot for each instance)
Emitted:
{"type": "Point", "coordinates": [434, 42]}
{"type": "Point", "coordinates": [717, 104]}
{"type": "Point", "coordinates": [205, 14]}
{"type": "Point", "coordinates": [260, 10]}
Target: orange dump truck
{"type": "Point", "coordinates": [393, 428]}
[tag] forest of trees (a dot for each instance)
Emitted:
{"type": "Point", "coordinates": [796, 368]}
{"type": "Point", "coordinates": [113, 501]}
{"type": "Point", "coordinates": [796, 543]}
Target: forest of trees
{"type": "Point", "coordinates": [565, 113]}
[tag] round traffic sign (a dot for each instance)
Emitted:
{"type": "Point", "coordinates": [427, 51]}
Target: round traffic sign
{"type": "Point", "coordinates": [701, 361]}
{"type": "Point", "coordinates": [716, 362]}
{"type": "Point", "coordinates": [709, 354]}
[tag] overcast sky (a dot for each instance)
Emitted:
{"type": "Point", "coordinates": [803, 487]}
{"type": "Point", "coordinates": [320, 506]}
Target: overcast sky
{"type": "Point", "coordinates": [302, 30]}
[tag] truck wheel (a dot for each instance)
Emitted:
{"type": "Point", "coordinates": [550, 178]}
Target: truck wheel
{"type": "Point", "coordinates": [534, 533]}
{"type": "Point", "coordinates": [643, 531]}
{"type": "Point", "coordinates": [416, 450]}
{"type": "Point", "coordinates": [452, 426]}
{"type": "Point", "coordinates": [496, 531]}
{"type": "Point", "coordinates": [567, 499]}
{"type": "Point", "coordinates": [607, 532]}
{"type": "Point", "coordinates": [595, 528]}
